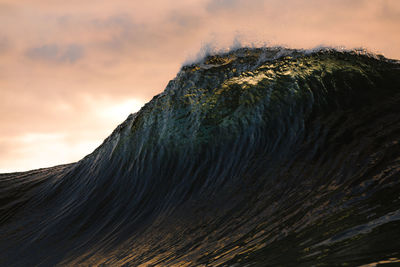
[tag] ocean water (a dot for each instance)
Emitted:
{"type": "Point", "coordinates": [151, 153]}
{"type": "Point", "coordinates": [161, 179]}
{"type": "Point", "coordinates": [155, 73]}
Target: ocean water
{"type": "Point", "coordinates": [253, 157]}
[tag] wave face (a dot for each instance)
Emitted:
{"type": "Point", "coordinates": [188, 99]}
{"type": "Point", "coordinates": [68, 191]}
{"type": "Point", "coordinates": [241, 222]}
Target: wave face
{"type": "Point", "coordinates": [255, 157]}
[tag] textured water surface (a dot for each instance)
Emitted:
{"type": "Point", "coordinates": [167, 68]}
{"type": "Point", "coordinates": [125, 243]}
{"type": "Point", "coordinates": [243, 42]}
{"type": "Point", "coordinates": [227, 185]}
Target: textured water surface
{"type": "Point", "coordinates": [256, 157]}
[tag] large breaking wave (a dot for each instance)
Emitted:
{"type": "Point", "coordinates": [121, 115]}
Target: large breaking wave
{"type": "Point", "coordinates": [255, 157]}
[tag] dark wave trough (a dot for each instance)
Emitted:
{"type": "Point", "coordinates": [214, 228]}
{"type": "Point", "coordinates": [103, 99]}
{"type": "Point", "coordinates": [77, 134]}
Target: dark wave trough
{"type": "Point", "coordinates": [256, 157]}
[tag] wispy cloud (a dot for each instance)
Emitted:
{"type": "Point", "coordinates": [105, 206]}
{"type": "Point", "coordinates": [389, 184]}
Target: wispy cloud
{"type": "Point", "coordinates": [55, 53]}
{"type": "Point", "coordinates": [234, 5]}
{"type": "Point", "coordinates": [217, 5]}
{"type": "Point", "coordinates": [4, 44]}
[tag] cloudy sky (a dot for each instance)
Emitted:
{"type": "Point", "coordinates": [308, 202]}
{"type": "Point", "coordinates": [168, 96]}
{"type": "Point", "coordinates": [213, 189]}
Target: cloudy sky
{"type": "Point", "coordinates": [71, 71]}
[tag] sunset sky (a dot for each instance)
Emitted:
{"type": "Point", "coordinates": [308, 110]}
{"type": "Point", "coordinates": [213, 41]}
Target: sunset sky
{"type": "Point", "coordinates": [71, 71]}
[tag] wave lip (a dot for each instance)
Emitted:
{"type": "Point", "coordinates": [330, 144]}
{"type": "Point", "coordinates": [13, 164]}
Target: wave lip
{"type": "Point", "coordinates": [266, 156]}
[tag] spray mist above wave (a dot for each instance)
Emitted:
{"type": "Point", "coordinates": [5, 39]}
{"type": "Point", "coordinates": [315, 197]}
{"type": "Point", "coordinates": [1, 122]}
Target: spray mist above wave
{"type": "Point", "coordinates": [239, 42]}
{"type": "Point", "coordinates": [250, 157]}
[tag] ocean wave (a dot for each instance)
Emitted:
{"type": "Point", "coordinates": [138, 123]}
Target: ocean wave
{"type": "Point", "coordinates": [252, 157]}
